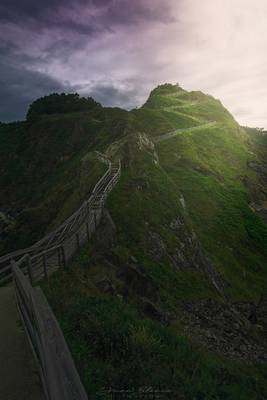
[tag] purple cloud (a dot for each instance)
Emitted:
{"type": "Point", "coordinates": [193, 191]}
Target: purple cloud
{"type": "Point", "coordinates": [118, 50]}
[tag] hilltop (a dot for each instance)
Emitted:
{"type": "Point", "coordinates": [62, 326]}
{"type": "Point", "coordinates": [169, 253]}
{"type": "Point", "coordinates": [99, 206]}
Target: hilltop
{"type": "Point", "coordinates": [172, 290]}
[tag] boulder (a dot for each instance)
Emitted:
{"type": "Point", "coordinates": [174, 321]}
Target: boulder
{"type": "Point", "coordinates": [137, 282]}
{"type": "Point", "coordinates": [106, 286]}
{"type": "Point", "coordinates": [227, 328]}
{"type": "Point", "coordinates": [153, 311]}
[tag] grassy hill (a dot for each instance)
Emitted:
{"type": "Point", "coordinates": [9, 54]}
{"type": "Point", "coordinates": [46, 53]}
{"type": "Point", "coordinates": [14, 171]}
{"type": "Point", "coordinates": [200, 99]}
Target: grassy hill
{"type": "Point", "coordinates": [48, 168]}
{"type": "Point", "coordinates": [168, 293]}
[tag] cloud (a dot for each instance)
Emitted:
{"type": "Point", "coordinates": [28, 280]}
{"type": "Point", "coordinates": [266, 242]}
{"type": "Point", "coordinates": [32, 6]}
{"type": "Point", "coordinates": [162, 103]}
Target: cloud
{"type": "Point", "coordinates": [82, 16]}
{"type": "Point", "coordinates": [121, 94]}
{"type": "Point", "coordinates": [56, 42]}
{"type": "Point", "coordinates": [118, 50]}
{"type": "Point", "coordinates": [20, 87]}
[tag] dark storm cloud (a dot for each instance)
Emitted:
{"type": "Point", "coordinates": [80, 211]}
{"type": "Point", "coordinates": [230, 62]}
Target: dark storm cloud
{"type": "Point", "coordinates": [112, 94]}
{"type": "Point", "coordinates": [48, 15]}
{"type": "Point", "coordinates": [99, 15]}
{"type": "Point", "coordinates": [36, 34]}
{"type": "Point", "coordinates": [30, 11]}
{"type": "Point", "coordinates": [11, 54]}
{"type": "Point", "coordinates": [20, 87]}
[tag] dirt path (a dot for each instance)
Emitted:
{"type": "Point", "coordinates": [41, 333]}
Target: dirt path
{"type": "Point", "coordinates": [19, 378]}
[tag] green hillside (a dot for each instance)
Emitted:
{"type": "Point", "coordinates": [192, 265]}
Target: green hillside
{"type": "Point", "coordinates": [171, 292]}
{"type": "Point", "coordinates": [48, 168]}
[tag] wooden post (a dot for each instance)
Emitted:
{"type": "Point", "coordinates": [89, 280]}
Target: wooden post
{"type": "Point", "coordinates": [13, 263]}
{"type": "Point", "coordinates": [58, 257]}
{"type": "Point", "coordinates": [95, 219]}
{"type": "Point", "coordinates": [87, 231]}
{"type": "Point", "coordinates": [44, 265]}
{"type": "Point", "coordinates": [29, 267]}
{"type": "Point", "coordinates": [63, 256]}
{"type": "Point", "coordinates": [77, 241]}
{"type": "Point", "coordinates": [88, 210]}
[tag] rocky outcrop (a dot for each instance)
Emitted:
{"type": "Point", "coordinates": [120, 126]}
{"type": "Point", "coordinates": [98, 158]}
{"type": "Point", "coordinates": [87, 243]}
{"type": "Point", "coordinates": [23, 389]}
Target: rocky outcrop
{"type": "Point", "coordinates": [261, 210]}
{"type": "Point", "coordinates": [258, 190]}
{"type": "Point", "coordinates": [228, 329]}
{"type": "Point", "coordinates": [106, 233]}
{"type": "Point", "coordinates": [261, 312]}
{"type": "Point", "coordinates": [188, 253]}
{"type": "Point", "coordinates": [156, 246]}
{"type": "Point", "coordinates": [137, 283]}
{"type": "Point", "coordinates": [105, 285]}
{"type": "Point", "coordinates": [153, 311]}
{"type": "Point", "coordinates": [258, 167]}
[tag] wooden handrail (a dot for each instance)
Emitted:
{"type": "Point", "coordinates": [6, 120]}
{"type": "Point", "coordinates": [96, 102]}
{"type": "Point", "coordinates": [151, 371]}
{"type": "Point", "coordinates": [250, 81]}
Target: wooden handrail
{"type": "Point", "coordinates": [57, 371]}
{"type": "Point", "coordinates": [60, 379]}
{"type": "Point", "coordinates": [71, 226]}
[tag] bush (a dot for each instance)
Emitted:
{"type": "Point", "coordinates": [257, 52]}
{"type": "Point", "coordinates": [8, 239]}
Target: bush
{"type": "Point", "coordinates": [59, 104]}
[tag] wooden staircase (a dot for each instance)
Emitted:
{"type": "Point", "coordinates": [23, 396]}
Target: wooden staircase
{"type": "Point", "coordinates": [55, 249]}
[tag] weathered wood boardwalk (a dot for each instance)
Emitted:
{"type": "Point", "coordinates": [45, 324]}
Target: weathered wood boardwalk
{"type": "Point", "coordinates": [19, 379]}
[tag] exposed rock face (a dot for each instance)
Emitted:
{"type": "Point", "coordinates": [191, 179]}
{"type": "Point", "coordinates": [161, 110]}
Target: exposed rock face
{"type": "Point", "coordinates": [188, 253]}
{"type": "Point", "coordinates": [261, 313]}
{"type": "Point", "coordinates": [237, 331]}
{"type": "Point", "coordinates": [258, 191]}
{"type": "Point", "coordinates": [156, 246]}
{"type": "Point", "coordinates": [134, 282]}
{"type": "Point", "coordinates": [106, 285]}
{"type": "Point", "coordinates": [153, 311]}
{"type": "Point", "coordinates": [134, 285]}
{"type": "Point", "coordinates": [260, 210]}
{"type": "Point", "coordinates": [137, 282]}
{"type": "Point", "coordinates": [258, 167]}
{"type": "Point", "coordinates": [228, 329]}
{"type": "Point", "coordinates": [144, 143]}
{"type": "Point", "coordinates": [106, 232]}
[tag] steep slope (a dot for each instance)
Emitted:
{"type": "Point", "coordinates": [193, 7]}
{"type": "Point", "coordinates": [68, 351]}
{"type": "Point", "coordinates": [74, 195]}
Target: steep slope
{"type": "Point", "coordinates": [209, 167]}
{"type": "Point", "coordinates": [48, 168]}
{"type": "Point", "coordinates": [171, 292]}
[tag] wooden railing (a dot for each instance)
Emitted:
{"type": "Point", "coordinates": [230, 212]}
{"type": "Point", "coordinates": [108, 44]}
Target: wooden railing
{"type": "Point", "coordinates": [60, 379]}
{"type": "Point", "coordinates": [58, 374]}
{"type": "Point", "coordinates": [56, 249]}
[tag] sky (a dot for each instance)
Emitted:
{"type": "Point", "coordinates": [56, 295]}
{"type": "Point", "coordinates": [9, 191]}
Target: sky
{"type": "Point", "coordinates": [117, 51]}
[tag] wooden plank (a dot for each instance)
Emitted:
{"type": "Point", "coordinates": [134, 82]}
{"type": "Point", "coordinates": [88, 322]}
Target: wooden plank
{"type": "Point", "coordinates": [7, 270]}
{"type": "Point", "coordinates": [77, 241]}
{"type": "Point", "coordinates": [44, 265]}
{"type": "Point", "coordinates": [63, 381]}
{"type": "Point", "coordinates": [21, 281]}
{"type": "Point", "coordinates": [87, 231]}
{"type": "Point", "coordinates": [26, 318]}
{"type": "Point", "coordinates": [23, 296]}
{"type": "Point", "coordinates": [95, 220]}
{"type": "Point", "coordinates": [45, 251]}
{"type": "Point", "coordinates": [59, 258]}
{"type": "Point", "coordinates": [29, 267]}
{"type": "Point", "coordinates": [63, 256]}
